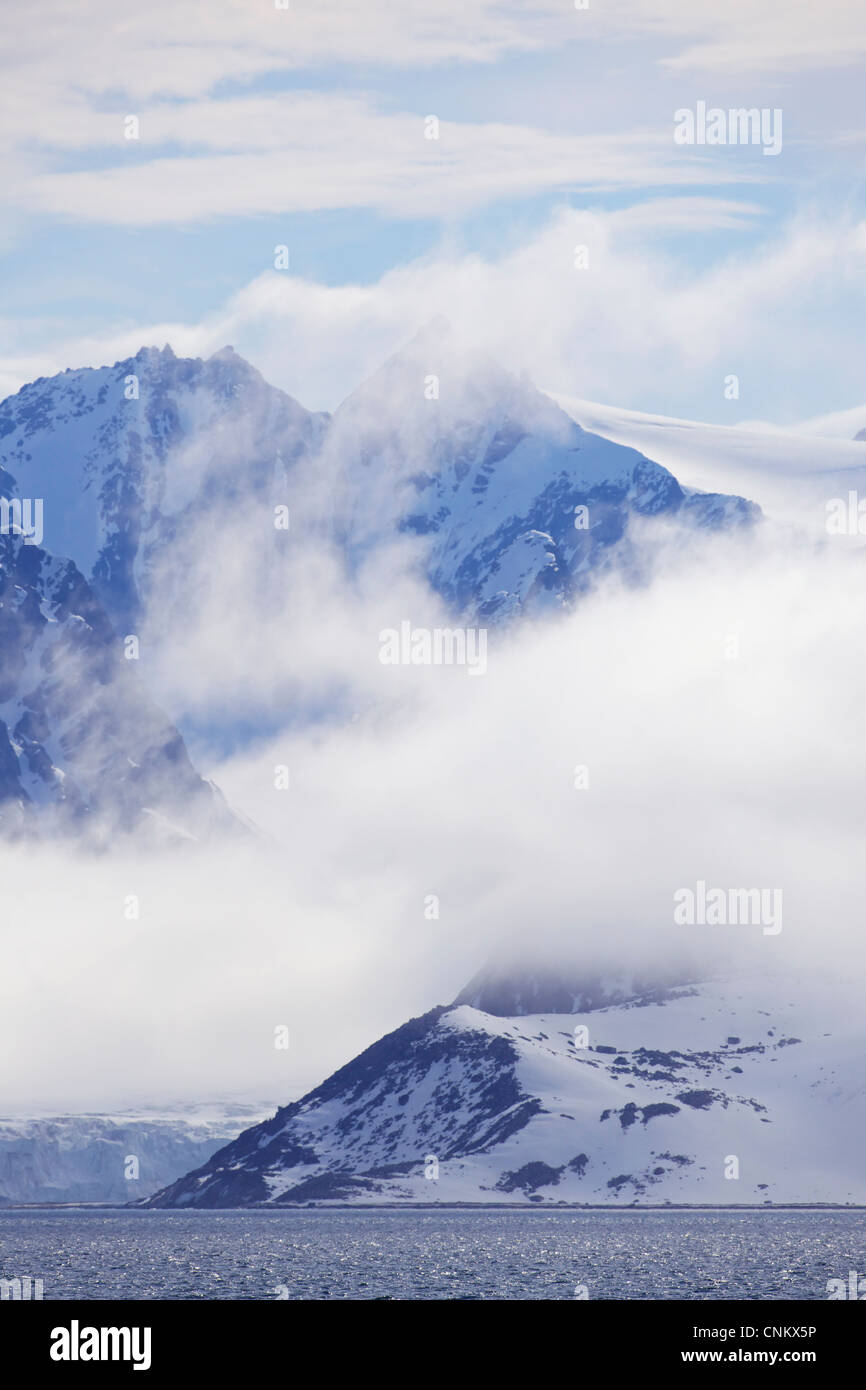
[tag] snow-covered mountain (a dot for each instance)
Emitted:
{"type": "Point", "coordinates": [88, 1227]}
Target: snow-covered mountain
{"type": "Point", "coordinates": [149, 471]}
{"type": "Point", "coordinates": [83, 748]}
{"type": "Point", "coordinates": [143, 465]}
{"type": "Point", "coordinates": [520, 505]}
{"type": "Point", "coordinates": [131, 459]}
{"type": "Point", "coordinates": [692, 1093]}
{"type": "Point", "coordinates": [126, 464]}
{"type": "Point", "coordinates": [110, 1158]}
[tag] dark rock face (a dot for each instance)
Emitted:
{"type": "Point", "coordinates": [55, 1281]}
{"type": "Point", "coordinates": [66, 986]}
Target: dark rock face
{"type": "Point", "coordinates": [698, 1100]}
{"type": "Point", "coordinates": [530, 1177]}
{"type": "Point", "coordinates": [649, 1112]}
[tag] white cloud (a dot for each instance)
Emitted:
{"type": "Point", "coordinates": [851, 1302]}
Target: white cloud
{"type": "Point", "coordinates": [742, 772]}
{"type": "Point", "coordinates": [756, 35]}
{"type": "Point", "coordinates": [186, 70]}
{"type": "Point", "coordinates": [739, 772]}
{"type": "Point", "coordinates": [633, 329]}
{"type": "Point", "coordinates": [304, 152]}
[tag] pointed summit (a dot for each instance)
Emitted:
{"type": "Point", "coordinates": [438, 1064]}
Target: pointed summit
{"type": "Point", "coordinates": [133, 454]}
{"type": "Point", "coordinates": [228, 354]}
{"type": "Point", "coordinates": [517, 504]}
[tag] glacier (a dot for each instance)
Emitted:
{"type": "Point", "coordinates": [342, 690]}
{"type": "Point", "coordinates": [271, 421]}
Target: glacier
{"type": "Point", "coordinates": [112, 1158]}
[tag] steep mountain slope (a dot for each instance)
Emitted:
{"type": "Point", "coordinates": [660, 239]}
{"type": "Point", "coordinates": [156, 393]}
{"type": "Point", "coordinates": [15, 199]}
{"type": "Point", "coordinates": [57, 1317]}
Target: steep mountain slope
{"type": "Point", "coordinates": [131, 459]}
{"type": "Point", "coordinates": [700, 1093]}
{"type": "Point", "coordinates": [82, 747]}
{"type": "Point", "coordinates": [86, 1158]}
{"type": "Point", "coordinates": [518, 502]}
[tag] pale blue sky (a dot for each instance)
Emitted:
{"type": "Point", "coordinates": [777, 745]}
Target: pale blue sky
{"type": "Point", "coordinates": [260, 127]}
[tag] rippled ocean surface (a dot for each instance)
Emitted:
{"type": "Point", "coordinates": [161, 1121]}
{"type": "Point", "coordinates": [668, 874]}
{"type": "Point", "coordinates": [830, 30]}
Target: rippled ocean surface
{"type": "Point", "coordinates": [498, 1254]}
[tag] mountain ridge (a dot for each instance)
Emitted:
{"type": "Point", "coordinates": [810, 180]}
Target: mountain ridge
{"type": "Point", "coordinates": [148, 468]}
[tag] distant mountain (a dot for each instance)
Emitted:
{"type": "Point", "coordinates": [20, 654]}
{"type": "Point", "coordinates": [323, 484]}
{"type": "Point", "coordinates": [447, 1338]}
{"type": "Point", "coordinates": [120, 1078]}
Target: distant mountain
{"type": "Point", "coordinates": [83, 749]}
{"type": "Point", "coordinates": [86, 1158]}
{"type": "Point", "coordinates": [150, 473]}
{"type": "Point", "coordinates": [702, 1093]}
{"type": "Point", "coordinates": [132, 459]}
{"type": "Point", "coordinates": [140, 464]}
{"type": "Point", "coordinates": [520, 505]}
{"type": "Point", "coordinates": [135, 467]}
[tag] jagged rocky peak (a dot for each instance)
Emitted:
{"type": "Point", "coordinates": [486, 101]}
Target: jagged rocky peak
{"type": "Point", "coordinates": [517, 505]}
{"type": "Point", "coordinates": [439, 392]}
{"type": "Point", "coordinates": [128, 458]}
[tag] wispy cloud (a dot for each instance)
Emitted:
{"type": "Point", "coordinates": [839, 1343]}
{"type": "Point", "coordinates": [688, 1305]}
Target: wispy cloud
{"type": "Point", "coordinates": [633, 327]}
{"type": "Point", "coordinates": [305, 152]}
{"type": "Point", "coordinates": [216, 139]}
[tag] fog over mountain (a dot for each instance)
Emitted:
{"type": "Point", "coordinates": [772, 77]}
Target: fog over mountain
{"type": "Point", "coordinates": [671, 696]}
